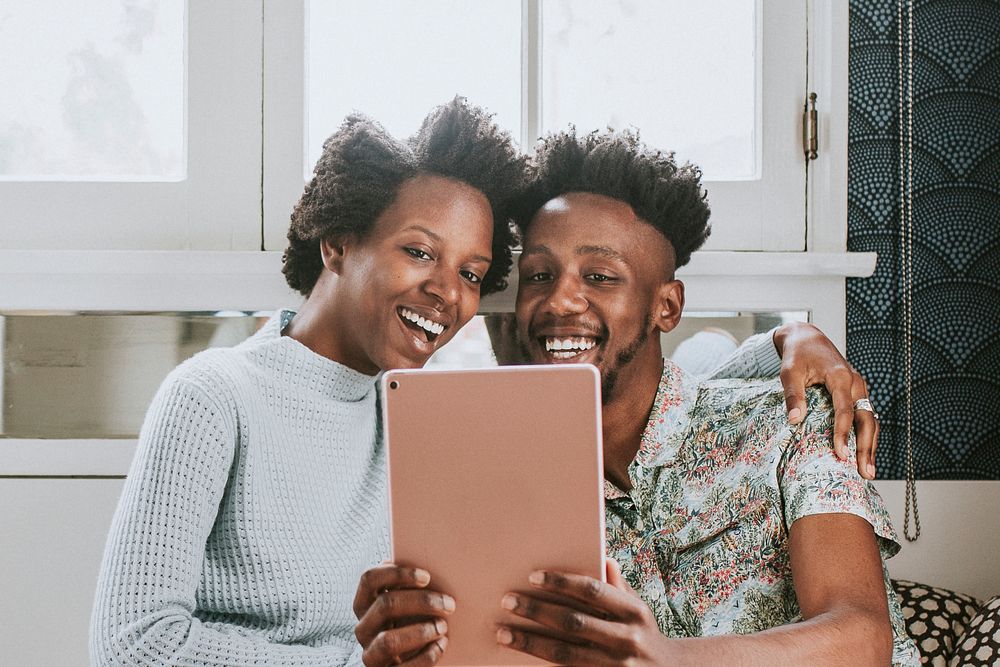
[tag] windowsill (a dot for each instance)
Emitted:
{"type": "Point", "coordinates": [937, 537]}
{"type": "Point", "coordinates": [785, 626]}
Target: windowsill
{"type": "Point", "coordinates": [200, 280]}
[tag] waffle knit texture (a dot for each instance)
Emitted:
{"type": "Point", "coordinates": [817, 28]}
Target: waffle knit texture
{"type": "Point", "coordinates": [256, 499]}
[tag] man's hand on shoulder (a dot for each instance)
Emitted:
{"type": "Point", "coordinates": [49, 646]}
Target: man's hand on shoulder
{"type": "Point", "coordinates": [809, 358]}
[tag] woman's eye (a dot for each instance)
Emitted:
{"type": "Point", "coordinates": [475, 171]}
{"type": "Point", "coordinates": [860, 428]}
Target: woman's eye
{"type": "Point", "coordinates": [471, 277]}
{"type": "Point", "coordinates": [418, 253]}
{"type": "Point", "coordinates": [539, 277]}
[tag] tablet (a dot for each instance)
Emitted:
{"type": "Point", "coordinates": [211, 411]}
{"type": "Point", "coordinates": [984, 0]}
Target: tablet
{"type": "Point", "coordinates": [494, 473]}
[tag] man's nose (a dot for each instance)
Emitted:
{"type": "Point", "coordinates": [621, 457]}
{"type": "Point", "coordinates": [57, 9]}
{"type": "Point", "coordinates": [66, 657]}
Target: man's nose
{"type": "Point", "coordinates": [567, 297]}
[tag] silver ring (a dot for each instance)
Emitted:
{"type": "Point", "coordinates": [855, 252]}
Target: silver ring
{"type": "Point", "coordinates": [865, 404]}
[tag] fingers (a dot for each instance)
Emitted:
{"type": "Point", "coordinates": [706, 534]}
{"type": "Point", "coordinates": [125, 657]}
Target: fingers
{"type": "Point", "coordinates": [429, 655]}
{"type": "Point", "coordinates": [594, 594]}
{"type": "Point", "coordinates": [384, 577]}
{"type": "Point", "coordinates": [397, 607]}
{"type": "Point", "coordinates": [420, 643]}
{"type": "Point", "coordinates": [572, 623]}
{"type": "Point", "coordinates": [793, 383]}
{"type": "Point", "coordinates": [843, 420]}
{"type": "Point", "coordinates": [559, 651]}
{"type": "Point", "coordinates": [613, 573]}
{"type": "Point", "coordinates": [840, 381]}
{"type": "Point", "coordinates": [866, 428]}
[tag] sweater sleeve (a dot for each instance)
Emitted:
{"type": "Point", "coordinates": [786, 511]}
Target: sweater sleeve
{"type": "Point", "coordinates": [756, 357]}
{"type": "Point", "coordinates": [143, 610]}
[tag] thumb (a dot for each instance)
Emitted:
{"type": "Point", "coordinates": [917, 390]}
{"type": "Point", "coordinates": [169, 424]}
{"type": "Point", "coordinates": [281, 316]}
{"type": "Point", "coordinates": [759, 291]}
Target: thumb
{"type": "Point", "coordinates": [615, 577]}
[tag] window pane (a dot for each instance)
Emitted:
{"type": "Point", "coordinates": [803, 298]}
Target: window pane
{"type": "Point", "coordinates": [702, 340]}
{"type": "Point", "coordinates": [699, 343]}
{"type": "Point", "coordinates": [92, 91]}
{"type": "Point", "coordinates": [93, 375]}
{"type": "Point", "coordinates": [684, 73]}
{"type": "Point", "coordinates": [396, 59]}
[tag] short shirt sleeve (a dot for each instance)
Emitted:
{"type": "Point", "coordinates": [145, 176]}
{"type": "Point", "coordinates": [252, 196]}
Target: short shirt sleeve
{"type": "Point", "coordinates": [814, 481]}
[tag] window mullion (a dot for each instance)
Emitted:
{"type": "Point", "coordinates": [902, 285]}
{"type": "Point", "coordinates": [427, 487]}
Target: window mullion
{"type": "Point", "coordinates": [531, 67]}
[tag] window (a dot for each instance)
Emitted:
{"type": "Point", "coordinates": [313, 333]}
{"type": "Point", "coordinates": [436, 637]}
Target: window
{"type": "Point", "coordinates": [713, 81]}
{"type": "Point", "coordinates": [95, 96]}
{"type": "Point", "coordinates": [422, 54]}
{"type": "Point", "coordinates": [133, 125]}
{"type": "Point", "coordinates": [263, 80]}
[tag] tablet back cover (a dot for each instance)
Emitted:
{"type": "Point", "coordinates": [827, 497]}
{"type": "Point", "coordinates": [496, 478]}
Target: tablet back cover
{"type": "Point", "coordinates": [492, 474]}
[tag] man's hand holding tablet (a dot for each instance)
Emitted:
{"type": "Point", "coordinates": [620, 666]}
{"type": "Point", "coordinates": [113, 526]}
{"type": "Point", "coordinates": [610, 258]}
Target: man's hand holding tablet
{"type": "Point", "coordinates": [586, 621]}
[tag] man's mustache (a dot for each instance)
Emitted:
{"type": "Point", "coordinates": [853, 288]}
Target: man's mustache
{"type": "Point", "coordinates": [549, 322]}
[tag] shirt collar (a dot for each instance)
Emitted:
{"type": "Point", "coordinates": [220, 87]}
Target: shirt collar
{"type": "Point", "coordinates": [667, 421]}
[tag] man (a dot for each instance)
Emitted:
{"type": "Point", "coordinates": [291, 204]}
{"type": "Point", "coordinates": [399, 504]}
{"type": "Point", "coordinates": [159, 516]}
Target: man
{"type": "Point", "coordinates": [716, 505]}
{"type": "Point", "coordinates": [596, 285]}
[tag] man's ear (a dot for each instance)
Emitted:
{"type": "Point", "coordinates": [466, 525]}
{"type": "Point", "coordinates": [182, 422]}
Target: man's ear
{"type": "Point", "coordinates": [333, 249]}
{"type": "Point", "coordinates": [669, 305]}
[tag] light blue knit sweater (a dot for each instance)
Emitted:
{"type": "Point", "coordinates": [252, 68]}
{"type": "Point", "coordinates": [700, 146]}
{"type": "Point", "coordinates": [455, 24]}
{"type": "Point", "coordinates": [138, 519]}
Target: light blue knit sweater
{"type": "Point", "coordinates": [255, 501]}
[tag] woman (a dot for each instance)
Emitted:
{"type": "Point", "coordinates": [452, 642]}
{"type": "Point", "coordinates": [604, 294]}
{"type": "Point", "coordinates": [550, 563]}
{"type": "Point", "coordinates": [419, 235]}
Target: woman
{"type": "Point", "coordinates": [257, 495]}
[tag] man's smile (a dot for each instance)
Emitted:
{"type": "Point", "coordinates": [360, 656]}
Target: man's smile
{"type": "Point", "coordinates": [567, 347]}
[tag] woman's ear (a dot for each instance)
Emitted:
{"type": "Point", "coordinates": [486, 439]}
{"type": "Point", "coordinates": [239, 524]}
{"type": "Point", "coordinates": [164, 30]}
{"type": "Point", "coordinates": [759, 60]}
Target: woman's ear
{"type": "Point", "coordinates": [333, 249]}
{"type": "Point", "coordinates": [669, 305]}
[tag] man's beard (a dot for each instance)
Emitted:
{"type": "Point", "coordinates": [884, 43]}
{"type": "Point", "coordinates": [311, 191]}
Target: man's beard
{"type": "Point", "coordinates": [609, 376]}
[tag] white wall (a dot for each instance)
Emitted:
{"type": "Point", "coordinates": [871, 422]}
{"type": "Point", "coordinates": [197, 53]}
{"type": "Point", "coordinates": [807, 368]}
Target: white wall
{"type": "Point", "coordinates": [53, 534]}
{"type": "Point", "coordinates": [959, 547]}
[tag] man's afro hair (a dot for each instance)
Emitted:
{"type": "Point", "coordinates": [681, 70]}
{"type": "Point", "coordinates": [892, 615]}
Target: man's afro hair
{"type": "Point", "coordinates": [618, 165]}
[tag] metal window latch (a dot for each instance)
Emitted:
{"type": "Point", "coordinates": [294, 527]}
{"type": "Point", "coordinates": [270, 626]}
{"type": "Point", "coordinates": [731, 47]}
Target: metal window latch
{"type": "Point", "coordinates": [810, 144]}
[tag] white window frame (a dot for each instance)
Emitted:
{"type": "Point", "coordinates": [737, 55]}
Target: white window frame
{"type": "Point", "coordinates": [757, 215]}
{"type": "Point", "coordinates": [216, 206]}
{"type": "Point", "coordinates": [47, 277]}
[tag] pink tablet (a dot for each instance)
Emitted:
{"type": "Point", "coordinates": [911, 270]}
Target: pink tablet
{"type": "Point", "coordinates": [494, 473]}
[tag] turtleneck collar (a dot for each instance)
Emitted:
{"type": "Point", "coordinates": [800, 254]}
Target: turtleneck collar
{"type": "Point", "coordinates": [290, 360]}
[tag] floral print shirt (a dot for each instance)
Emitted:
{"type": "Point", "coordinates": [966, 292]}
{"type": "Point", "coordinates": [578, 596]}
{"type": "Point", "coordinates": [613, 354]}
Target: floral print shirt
{"type": "Point", "coordinates": [719, 478]}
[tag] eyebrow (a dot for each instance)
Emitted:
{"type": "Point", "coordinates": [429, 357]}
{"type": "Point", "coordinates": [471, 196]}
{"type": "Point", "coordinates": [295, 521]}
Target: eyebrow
{"type": "Point", "coordinates": [603, 251]}
{"type": "Point", "coordinates": [540, 249]}
{"type": "Point", "coordinates": [437, 239]}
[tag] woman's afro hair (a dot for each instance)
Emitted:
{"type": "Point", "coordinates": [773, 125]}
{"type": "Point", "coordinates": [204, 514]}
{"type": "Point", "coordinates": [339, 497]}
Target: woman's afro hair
{"type": "Point", "coordinates": [618, 165]}
{"type": "Point", "coordinates": [362, 168]}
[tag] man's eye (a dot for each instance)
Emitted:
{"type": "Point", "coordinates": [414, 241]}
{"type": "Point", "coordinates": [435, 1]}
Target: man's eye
{"type": "Point", "coordinates": [598, 277]}
{"type": "Point", "coordinates": [418, 253]}
{"type": "Point", "coordinates": [539, 277]}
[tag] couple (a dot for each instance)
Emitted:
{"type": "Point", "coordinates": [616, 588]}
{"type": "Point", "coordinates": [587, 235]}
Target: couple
{"type": "Point", "coordinates": [257, 499]}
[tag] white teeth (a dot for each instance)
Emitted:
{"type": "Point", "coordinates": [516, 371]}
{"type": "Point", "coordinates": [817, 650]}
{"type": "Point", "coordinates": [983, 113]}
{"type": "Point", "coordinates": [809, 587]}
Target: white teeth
{"type": "Point", "coordinates": [578, 344]}
{"type": "Point", "coordinates": [425, 324]}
